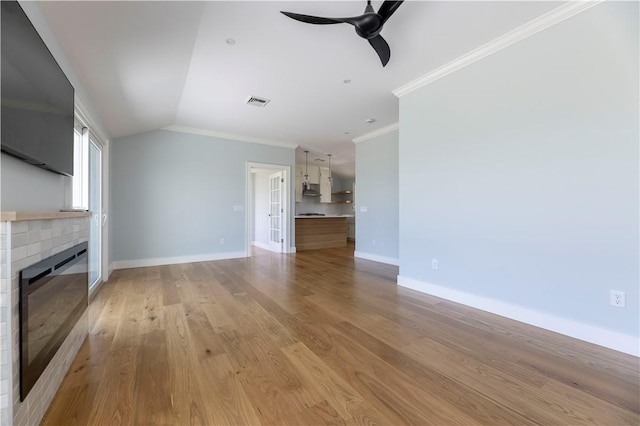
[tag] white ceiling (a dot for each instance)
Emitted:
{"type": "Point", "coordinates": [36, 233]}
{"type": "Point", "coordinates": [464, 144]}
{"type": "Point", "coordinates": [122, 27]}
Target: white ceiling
{"type": "Point", "coordinates": [149, 65]}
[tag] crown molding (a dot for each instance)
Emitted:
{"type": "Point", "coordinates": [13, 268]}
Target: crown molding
{"type": "Point", "coordinates": [549, 19]}
{"type": "Point", "coordinates": [376, 133]}
{"type": "Point", "coordinates": [231, 136]}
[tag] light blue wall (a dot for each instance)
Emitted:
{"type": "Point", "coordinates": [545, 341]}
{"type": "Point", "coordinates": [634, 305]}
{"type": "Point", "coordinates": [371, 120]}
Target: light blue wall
{"type": "Point", "coordinates": [520, 173]}
{"type": "Point", "coordinates": [377, 190]}
{"type": "Point", "coordinates": [174, 193]}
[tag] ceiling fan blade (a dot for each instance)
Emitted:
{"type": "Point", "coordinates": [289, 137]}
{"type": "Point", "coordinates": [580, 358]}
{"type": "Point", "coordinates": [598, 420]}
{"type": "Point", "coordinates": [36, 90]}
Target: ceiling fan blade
{"type": "Point", "coordinates": [387, 9]}
{"type": "Point", "coordinates": [311, 19]}
{"type": "Point", "coordinates": [382, 48]}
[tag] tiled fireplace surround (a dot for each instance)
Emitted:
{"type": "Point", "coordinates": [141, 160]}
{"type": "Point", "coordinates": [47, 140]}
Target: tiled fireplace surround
{"type": "Point", "coordinates": [26, 239]}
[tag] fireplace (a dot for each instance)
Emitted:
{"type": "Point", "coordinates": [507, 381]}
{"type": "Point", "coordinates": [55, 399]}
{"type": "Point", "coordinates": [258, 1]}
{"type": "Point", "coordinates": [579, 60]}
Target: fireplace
{"type": "Point", "coordinates": [53, 297]}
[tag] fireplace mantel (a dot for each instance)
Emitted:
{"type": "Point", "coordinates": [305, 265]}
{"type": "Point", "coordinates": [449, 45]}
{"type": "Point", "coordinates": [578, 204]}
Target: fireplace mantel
{"type": "Point", "coordinates": [11, 216]}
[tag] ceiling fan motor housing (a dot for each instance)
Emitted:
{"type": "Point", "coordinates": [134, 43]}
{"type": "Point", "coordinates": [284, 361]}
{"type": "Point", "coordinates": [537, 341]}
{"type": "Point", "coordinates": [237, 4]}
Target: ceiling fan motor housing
{"type": "Point", "coordinates": [369, 25]}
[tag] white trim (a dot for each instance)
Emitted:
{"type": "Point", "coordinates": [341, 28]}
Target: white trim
{"type": "Point", "coordinates": [81, 114]}
{"type": "Point", "coordinates": [376, 258]}
{"type": "Point", "coordinates": [263, 246]}
{"type": "Point", "coordinates": [231, 136]}
{"type": "Point", "coordinates": [376, 133]}
{"type": "Point", "coordinates": [588, 333]}
{"type": "Point", "coordinates": [541, 23]}
{"type": "Point", "coordinates": [100, 138]}
{"type": "Point", "coordinates": [292, 250]}
{"type": "Point", "coordinates": [288, 221]}
{"type": "Point", "coordinates": [141, 263]}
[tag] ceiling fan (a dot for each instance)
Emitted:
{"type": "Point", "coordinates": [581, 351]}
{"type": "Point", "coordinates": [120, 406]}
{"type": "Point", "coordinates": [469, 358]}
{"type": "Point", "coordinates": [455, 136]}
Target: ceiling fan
{"type": "Point", "coordinates": [367, 25]}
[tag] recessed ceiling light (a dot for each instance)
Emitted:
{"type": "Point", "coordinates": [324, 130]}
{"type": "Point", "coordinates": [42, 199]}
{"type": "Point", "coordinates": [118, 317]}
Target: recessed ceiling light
{"type": "Point", "coordinates": [230, 41]}
{"type": "Point", "coordinates": [370, 120]}
{"type": "Point", "coordinates": [347, 81]}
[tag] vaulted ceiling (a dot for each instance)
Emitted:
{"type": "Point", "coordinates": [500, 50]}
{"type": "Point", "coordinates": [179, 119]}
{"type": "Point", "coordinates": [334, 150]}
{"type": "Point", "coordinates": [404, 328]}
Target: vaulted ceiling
{"type": "Point", "coordinates": [149, 65]}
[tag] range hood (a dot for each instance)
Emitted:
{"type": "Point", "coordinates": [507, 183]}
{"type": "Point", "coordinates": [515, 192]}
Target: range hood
{"type": "Point", "coordinates": [307, 191]}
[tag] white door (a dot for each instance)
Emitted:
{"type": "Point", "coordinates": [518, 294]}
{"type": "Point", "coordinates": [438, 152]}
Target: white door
{"type": "Point", "coordinates": [275, 212]}
{"type": "Point", "coordinates": [97, 216]}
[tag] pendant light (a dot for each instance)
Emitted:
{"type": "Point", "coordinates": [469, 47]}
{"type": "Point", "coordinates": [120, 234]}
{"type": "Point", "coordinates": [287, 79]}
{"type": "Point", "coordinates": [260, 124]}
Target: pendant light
{"type": "Point", "coordinates": [306, 169]}
{"type": "Point", "coordinates": [306, 185]}
{"type": "Point", "coordinates": [330, 175]}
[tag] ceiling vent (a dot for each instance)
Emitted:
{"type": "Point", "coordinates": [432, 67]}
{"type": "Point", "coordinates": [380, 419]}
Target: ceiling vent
{"type": "Point", "coordinates": [259, 102]}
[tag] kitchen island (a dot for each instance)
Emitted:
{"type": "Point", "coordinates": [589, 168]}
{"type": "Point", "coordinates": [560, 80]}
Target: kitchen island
{"type": "Point", "coordinates": [316, 232]}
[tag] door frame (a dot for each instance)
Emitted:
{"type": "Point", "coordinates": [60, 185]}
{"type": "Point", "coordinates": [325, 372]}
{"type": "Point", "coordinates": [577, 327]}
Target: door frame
{"type": "Point", "coordinates": [287, 218]}
{"type": "Point", "coordinates": [279, 245]}
{"type": "Point", "coordinates": [93, 140]}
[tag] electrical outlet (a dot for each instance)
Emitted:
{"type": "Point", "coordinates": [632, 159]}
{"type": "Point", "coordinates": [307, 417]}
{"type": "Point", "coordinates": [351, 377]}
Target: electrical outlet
{"type": "Point", "coordinates": [434, 264]}
{"type": "Point", "coordinates": [221, 241]}
{"type": "Point", "coordinates": [617, 298]}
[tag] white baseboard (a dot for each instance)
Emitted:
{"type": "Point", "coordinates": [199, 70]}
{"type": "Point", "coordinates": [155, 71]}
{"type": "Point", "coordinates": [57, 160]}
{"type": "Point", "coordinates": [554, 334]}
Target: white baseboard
{"type": "Point", "coordinates": [376, 258]}
{"type": "Point", "coordinates": [266, 247]}
{"type": "Point", "coordinates": [261, 245]}
{"type": "Point", "coordinates": [140, 263]}
{"type": "Point", "coordinates": [110, 271]}
{"type": "Point", "coordinates": [588, 333]}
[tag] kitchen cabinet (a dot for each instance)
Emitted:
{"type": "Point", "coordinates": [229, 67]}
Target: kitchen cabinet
{"type": "Point", "coordinates": [314, 173]}
{"type": "Point", "coordinates": [299, 180]}
{"type": "Point", "coordinates": [325, 185]}
{"type": "Point", "coordinates": [351, 228]}
{"type": "Point", "coordinates": [316, 232]}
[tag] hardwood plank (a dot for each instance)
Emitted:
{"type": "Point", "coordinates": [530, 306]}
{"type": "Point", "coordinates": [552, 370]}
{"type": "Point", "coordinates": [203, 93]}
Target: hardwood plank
{"type": "Point", "coordinates": [319, 337]}
{"type": "Point", "coordinates": [152, 390]}
{"type": "Point", "coordinates": [371, 375]}
{"type": "Point", "coordinates": [205, 341]}
{"type": "Point", "coordinates": [116, 406]}
{"type": "Point", "coordinates": [88, 367]}
{"type": "Point", "coordinates": [226, 399]}
{"type": "Point", "coordinates": [343, 398]}
{"type": "Point", "coordinates": [129, 327]}
{"type": "Point", "coordinates": [276, 391]}
{"type": "Point", "coordinates": [70, 409]}
{"type": "Point", "coordinates": [152, 318]}
{"type": "Point", "coordinates": [321, 413]}
{"type": "Point", "coordinates": [187, 404]}
{"type": "Point", "coordinates": [169, 291]}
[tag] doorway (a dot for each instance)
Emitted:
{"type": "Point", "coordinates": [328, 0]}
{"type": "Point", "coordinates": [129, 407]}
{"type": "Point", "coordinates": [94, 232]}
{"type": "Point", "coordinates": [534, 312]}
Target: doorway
{"type": "Point", "coordinates": [268, 207]}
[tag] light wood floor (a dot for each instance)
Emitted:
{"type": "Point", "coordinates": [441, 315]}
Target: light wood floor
{"type": "Point", "coordinates": [321, 338]}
